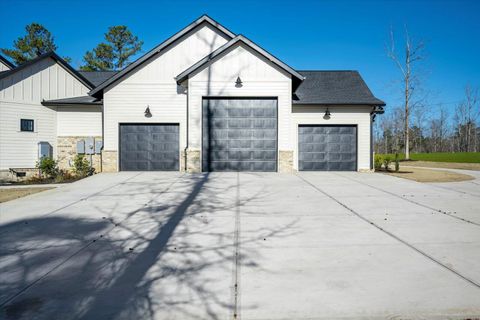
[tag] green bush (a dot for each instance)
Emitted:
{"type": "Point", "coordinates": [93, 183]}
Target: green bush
{"type": "Point", "coordinates": [387, 159]}
{"type": "Point", "coordinates": [81, 166]}
{"type": "Point", "coordinates": [378, 161]}
{"type": "Point", "coordinates": [48, 167]}
{"type": "Point", "coordinates": [397, 162]}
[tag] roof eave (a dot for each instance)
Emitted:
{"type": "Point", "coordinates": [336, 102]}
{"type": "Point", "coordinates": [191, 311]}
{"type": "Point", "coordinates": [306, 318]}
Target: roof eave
{"type": "Point", "coordinates": [370, 104]}
{"type": "Point", "coordinates": [7, 63]}
{"type": "Point", "coordinates": [59, 104]}
{"type": "Point", "coordinates": [182, 77]}
{"type": "Point", "coordinates": [165, 44]}
{"type": "Point", "coordinates": [59, 60]}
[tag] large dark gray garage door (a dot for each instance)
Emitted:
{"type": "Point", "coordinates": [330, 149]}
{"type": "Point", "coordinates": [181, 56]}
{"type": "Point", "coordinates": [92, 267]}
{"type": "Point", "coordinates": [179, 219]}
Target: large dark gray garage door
{"type": "Point", "coordinates": [239, 135]}
{"type": "Point", "coordinates": [327, 148]}
{"type": "Point", "coordinates": [149, 147]}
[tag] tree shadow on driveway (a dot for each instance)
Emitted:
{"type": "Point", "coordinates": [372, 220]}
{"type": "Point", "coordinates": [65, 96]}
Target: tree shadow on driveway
{"type": "Point", "coordinates": [172, 258]}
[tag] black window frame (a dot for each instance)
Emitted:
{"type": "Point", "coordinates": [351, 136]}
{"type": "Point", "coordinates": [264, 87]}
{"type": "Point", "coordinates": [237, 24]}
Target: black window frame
{"type": "Point", "coordinates": [25, 125]}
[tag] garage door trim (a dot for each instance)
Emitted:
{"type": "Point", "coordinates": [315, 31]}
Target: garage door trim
{"type": "Point", "coordinates": [238, 98]}
{"type": "Point", "coordinates": [119, 148]}
{"type": "Point", "coordinates": [326, 125]}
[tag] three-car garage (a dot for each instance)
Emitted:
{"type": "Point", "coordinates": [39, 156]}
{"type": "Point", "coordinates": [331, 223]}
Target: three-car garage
{"type": "Point", "coordinates": [238, 134]}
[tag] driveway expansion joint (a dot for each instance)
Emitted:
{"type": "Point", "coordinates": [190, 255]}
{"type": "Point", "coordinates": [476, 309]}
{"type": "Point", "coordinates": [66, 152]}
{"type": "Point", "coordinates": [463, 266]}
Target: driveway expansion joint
{"type": "Point", "coordinates": [404, 242]}
{"type": "Point", "coordinates": [89, 242]}
{"type": "Point", "coordinates": [412, 201]}
{"type": "Point", "coordinates": [236, 257]}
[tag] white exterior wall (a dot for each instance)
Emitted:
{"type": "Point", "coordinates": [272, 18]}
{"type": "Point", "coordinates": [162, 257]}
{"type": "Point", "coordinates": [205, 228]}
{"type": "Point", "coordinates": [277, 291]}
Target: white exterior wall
{"type": "Point", "coordinates": [260, 79]}
{"type": "Point", "coordinates": [353, 115]}
{"type": "Point", "coordinates": [154, 85]}
{"type": "Point", "coordinates": [19, 149]}
{"type": "Point", "coordinates": [79, 121]}
{"type": "Point", "coordinates": [20, 98]}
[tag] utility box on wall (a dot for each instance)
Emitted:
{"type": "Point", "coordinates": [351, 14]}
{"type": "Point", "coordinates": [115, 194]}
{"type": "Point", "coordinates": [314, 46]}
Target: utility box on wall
{"type": "Point", "coordinates": [89, 145]}
{"type": "Point", "coordinates": [98, 146]}
{"type": "Point", "coordinates": [45, 150]}
{"type": "Point", "coordinates": [81, 147]}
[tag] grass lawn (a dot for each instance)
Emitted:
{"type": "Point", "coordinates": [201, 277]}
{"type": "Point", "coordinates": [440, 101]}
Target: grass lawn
{"type": "Point", "coordinates": [7, 194]}
{"type": "Point", "coordinates": [458, 157]}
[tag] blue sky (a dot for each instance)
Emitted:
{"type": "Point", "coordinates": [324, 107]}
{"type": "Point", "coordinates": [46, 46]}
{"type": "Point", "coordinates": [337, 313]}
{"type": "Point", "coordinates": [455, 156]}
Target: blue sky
{"type": "Point", "coordinates": [326, 35]}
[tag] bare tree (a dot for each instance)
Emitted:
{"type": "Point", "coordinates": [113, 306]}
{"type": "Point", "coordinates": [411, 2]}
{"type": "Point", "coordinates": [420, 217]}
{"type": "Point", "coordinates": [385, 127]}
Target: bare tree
{"type": "Point", "coordinates": [406, 63]}
{"type": "Point", "coordinates": [466, 115]}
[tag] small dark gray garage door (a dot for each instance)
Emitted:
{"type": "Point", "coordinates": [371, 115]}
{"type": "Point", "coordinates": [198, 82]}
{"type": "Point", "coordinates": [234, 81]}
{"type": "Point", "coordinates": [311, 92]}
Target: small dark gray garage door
{"type": "Point", "coordinates": [327, 148]}
{"type": "Point", "coordinates": [239, 135]}
{"type": "Point", "coordinates": [149, 147]}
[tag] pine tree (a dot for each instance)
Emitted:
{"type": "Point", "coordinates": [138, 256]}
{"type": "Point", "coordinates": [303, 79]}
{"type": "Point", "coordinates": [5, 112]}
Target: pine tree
{"type": "Point", "coordinates": [113, 54]}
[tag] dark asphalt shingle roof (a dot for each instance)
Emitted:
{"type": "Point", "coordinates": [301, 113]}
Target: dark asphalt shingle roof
{"type": "Point", "coordinates": [97, 77]}
{"type": "Point", "coordinates": [83, 100]}
{"type": "Point", "coordinates": [334, 87]}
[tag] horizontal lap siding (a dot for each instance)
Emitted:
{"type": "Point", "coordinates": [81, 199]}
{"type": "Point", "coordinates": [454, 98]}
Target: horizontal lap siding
{"type": "Point", "coordinates": [19, 149]}
{"type": "Point", "coordinates": [79, 121]}
{"type": "Point", "coordinates": [341, 115]}
{"type": "Point", "coordinates": [21, 95]}
{"type": "Point", "coordinates": [127, 104]}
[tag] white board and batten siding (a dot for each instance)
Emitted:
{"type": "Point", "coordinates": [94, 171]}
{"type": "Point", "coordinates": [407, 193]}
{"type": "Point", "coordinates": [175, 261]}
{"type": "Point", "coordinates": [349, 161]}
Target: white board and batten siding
{"type": "Point", "coordinates": [20, 98]}
{"type": "Point", "coordinates": [260, 78]}
{"type": "Point", "coordinates": [154, 85]}
{"type": "Point", "coordinates": [340, 115]}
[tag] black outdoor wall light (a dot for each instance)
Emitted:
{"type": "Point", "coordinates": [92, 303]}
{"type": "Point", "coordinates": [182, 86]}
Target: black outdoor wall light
{"type": "Point", "coordinates": [238, 82]}
{"type": "Point", "coordinates": [327, 114]}
{"type": "Point", "coordinates": [148, 114]}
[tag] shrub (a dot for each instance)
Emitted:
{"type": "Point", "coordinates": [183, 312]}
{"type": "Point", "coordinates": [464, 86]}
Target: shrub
{"type": "Point", "coordinates": [48, 167]}
{"type": "Point", "coordinates": [377, 162]}
{"type": "Point", "coordinates": [397, 162]}
{"type": "Point", "coordinates": [64, 176]}
{"type": "Point", "coordinates": [387, 159]}
{"type": "Point", "coordinates": [81, 166]}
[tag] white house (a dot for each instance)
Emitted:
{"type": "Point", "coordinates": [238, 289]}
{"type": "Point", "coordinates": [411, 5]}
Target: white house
{"type": "Point", "coordinates": [205, 99]}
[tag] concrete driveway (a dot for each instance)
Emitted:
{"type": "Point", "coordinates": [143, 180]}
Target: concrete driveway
{"type": "Point", "coordinates": [242, 245]}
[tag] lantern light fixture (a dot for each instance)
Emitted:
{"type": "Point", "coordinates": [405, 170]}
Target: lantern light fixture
{"type": "Point", "coordinates": [147, 112]}
{"type": "Point", "coordinates": [327, 114]}
{"type": "Point", "coordinates": [238, 82]}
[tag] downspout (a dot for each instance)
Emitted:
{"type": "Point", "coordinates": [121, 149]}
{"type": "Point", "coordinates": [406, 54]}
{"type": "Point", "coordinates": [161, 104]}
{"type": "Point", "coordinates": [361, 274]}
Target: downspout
{"type": "Point", "coordinates": [186, 144]}
{"type": "Point", "coordinates": [103, 137]}
{"type": "Point", "coordinates": [372, 119]}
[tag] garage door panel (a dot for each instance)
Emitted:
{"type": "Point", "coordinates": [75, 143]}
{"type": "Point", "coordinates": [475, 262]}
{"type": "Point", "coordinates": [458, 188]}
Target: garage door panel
{"type": "Point", "coordinates": [239, 135]}
{"type": "Point", "coordinates": [327, 148]}
{"type": "Point", "coordinates": [149, 147]}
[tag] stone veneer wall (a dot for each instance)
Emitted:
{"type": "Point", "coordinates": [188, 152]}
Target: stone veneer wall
{"type": "Point", "coordinates": [109, 161]}
{"type": "Point", "coordinates": [9, 176]}
{"type": "Point", "coordinates": [67, 150]}
{"type": "Point", "coordinates": [193, 161]}
{"type": "Point", "coordinates": [285, 161]}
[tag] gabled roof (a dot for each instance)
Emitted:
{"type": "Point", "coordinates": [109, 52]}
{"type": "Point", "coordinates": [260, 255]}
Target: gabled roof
{"type": "Point", "coordinates": [83, 100]}
{"type": "Point", "coordinates": [296, 80]}
{"type": "Point", "coordinates": [59, 60]}
{"type": "Point", "coordinates": [334, 88]}
{"type": "Point", "coordinates": [97, 77]}
{"type": "Point", "coordinates": [6, 62]}
{"type": "Point", "coordinates": [164, 45]}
